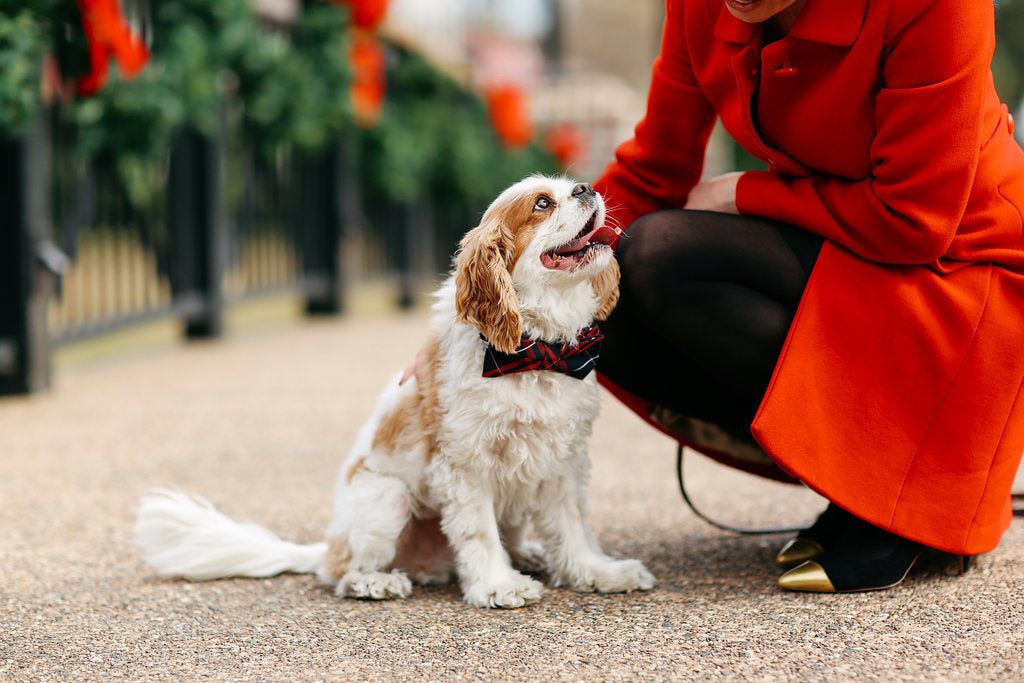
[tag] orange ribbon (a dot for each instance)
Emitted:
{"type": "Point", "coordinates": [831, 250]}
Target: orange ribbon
{"type": "Point", "coordinates": [509, 115]}
{"type": "Point", "coordinates": [109, 35]}
{"type": "Point", "coordinates": [368, 78]}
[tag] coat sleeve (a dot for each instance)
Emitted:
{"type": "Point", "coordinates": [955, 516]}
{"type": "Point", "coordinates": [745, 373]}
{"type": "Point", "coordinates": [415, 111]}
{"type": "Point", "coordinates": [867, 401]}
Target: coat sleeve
{"type": "Point", "coordinates": [658, 167]}
{"type": "Point", "coordinates": [928, 117]}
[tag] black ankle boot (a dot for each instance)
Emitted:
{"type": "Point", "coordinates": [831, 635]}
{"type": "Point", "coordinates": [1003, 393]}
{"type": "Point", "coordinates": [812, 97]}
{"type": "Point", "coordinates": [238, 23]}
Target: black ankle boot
{"type": "Point", "coordinates": [813, 541]}
{"type": "Point", "coordinates": [863, 558]}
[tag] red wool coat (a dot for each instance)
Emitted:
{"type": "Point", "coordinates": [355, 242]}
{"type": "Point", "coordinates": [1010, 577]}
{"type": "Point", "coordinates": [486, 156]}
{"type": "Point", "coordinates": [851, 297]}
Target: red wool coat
{"type": "Point", "coordinates": [898, 393]}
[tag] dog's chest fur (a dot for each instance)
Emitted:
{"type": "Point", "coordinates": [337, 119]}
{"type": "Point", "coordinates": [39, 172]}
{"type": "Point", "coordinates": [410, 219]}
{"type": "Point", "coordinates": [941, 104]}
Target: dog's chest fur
{"type": "Point", "coordinates": [515, 419]}
{"type": "Point", "coordinates": [508, 433]}
{"type": "Point", "coordinates": [513, 433]}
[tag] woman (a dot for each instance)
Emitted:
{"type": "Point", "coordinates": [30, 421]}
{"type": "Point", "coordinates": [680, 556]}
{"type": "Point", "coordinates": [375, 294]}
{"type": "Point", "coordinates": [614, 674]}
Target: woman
{"type": "Point", "coordinates": [858, 307]}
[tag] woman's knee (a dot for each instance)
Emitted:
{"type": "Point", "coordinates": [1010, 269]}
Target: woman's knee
{"type": "Point", "coordinates": [642, 238]}
{"type": "Point", "coordinates": [653, 248]}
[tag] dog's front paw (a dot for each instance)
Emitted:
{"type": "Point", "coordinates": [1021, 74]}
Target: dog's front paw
{"type": "Point", "coordinates": [374, 585]}
{"type": "Point", "coordinates": [516, 590]}
{"type": "Point", "coordinates": [612, 576]}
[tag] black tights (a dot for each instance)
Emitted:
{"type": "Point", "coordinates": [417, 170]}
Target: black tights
{"type": "Point", "coordinates": [707, 300]}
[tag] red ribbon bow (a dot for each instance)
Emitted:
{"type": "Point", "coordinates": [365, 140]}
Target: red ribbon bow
{"type": "Point", "coordinates": [576, 359]}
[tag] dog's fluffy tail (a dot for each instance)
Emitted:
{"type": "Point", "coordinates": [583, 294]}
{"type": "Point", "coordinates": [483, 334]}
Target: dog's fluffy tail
{"type": "Point", "coordinates": [187, 537]}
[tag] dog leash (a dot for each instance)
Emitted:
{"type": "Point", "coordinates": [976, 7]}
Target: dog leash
{"type": "Point", "coordinates": [1017, 503]}
{"type": "Point", "coordinates": [748, 531]}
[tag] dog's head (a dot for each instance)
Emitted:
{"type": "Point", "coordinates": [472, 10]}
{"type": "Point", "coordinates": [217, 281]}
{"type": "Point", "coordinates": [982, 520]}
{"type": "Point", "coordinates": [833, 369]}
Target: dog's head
{"type": "Point", "coordinates": [540, 234]}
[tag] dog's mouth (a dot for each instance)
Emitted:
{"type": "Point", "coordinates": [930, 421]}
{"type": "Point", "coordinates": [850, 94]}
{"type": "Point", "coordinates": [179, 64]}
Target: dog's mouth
{"type": "Point", "coordinates": [582, 248]}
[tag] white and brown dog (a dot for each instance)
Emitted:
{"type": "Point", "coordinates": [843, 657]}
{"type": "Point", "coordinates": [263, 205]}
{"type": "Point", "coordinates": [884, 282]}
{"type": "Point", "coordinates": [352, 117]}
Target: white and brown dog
{"type": "Point", "coordinates": [455, 467]}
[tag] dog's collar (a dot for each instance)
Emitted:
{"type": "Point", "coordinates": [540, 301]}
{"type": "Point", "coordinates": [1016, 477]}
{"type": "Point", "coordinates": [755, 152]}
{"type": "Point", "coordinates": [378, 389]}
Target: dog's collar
{"type": "Point", "coordinates": [575, 359]}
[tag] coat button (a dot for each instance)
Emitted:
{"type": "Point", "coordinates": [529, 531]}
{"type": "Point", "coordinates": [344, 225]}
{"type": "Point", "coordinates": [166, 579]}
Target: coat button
{"type": "Point", "coordinates": [786, 71]}
{"type": "Point", "coordinates": [1009, 122]}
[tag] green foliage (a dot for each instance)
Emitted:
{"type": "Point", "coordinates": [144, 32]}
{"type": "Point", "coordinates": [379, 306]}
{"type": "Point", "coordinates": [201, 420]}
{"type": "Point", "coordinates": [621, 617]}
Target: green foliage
{"type": "Point", "coordinates": [22, 46]}
{"type": "Point", "coordinates": [131, 126]}
{"type": "Point", "coordinates": [209, 60]}
{"type": "Point", "coordinates": [213, 59]}
{"type": "Point", "coordinates": [434, 136]}
{"type": "Point", "coordinates": [289, 88]}
{"type": "Point", "coordinates": [1008, 62]}
{"type": "Point", "coordinates": [27, 33]}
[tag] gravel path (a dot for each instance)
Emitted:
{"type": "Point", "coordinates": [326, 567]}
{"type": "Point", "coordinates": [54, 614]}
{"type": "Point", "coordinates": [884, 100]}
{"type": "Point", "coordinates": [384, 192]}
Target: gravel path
{"type": "Point", "coordinates": [258, 422]}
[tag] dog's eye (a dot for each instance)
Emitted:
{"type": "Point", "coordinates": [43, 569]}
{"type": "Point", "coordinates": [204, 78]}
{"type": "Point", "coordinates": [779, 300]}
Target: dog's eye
{"type": "Point", "coordinates": [543, 203]}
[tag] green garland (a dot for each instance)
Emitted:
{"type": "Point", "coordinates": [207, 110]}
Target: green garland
{"type": "Point", "coordinates": [216, 64]}
{"type": "Point", "coordinates": [212, 60]}
{"type": "Point", "coordinates": [21, 51]}
{"type": "Point", "coordinates": [434, 137]}
{"type": "Point", "coordinates": [209, 60]}
{"type": "Point", "coordinates": [26, 36]}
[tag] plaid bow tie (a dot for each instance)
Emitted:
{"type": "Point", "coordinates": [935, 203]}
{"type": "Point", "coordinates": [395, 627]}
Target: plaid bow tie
{"type": "Point", "coordinates": [575, 360]}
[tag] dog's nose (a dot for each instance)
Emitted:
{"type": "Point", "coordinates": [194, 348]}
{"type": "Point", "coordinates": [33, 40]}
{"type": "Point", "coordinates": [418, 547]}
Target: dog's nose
{"type": "Point", "coordinates": [582, 189]}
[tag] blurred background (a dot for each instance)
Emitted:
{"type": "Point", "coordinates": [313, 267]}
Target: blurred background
{"type": "Point", "coordinates": [169, 159]}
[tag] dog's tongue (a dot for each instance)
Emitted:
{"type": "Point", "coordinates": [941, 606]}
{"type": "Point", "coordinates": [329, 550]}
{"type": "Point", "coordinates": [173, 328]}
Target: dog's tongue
{"type": "Point", "coordinates": [602, 235]}
{"type": "Point", "coordinates": [607, 234]}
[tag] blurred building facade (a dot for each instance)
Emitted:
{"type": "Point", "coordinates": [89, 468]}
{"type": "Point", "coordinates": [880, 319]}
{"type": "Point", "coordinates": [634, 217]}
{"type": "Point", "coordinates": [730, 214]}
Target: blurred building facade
{"type": "Point", "coordinates": [613, 37]}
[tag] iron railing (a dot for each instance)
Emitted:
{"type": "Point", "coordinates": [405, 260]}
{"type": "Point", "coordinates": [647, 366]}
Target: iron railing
{"type": "Point", "coordinates": [77, 258]}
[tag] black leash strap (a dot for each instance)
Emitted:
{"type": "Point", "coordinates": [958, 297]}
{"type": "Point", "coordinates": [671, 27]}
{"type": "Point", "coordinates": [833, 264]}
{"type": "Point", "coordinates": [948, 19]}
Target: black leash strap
{"type": "Point", "coordinates": [750, 531]}
{"type": "Point", "coordinates": [1016, 498]}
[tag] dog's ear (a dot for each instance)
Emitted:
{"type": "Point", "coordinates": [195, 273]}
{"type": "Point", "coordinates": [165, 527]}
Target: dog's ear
{"type": "Point", "coordinates": [606, 288]}
{"type": "Point", "coordinates": [484, 295]}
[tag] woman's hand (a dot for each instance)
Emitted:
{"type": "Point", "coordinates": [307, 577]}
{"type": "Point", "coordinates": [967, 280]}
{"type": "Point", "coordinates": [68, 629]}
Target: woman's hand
{"type": "Point", "coordinates": [715, 194]}
{"type": "Point", "coordinates": [413, 369]}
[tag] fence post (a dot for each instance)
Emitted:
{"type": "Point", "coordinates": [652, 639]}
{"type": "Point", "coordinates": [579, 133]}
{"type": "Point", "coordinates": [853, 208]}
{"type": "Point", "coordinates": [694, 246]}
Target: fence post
{"type": "Point", "coordinates": [416, 256]}
{"type": "Point", "coordinates": [195, 226]}
{"type": "Point", "coordinates": [25, 284]}
{"type": "Point", "coordinates": [327, 190]}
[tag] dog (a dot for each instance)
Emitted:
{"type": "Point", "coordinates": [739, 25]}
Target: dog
{"type": "Point", "coordinates": [457, 465]}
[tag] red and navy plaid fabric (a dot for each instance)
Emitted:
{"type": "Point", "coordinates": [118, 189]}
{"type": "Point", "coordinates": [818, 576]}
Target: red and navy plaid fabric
{"type": "Point", "coordinates": [576, 359]}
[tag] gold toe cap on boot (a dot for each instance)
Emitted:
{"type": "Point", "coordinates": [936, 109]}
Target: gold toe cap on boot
{"type": "Point", "coordinates": [798, 550]}
{"type": "Point", "coordinates": [809, 577]}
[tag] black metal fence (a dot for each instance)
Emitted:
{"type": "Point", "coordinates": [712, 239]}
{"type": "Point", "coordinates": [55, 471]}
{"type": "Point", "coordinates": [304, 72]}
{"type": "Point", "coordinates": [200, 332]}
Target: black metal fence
{"type": "Point", "coordinates": [77, 258]}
